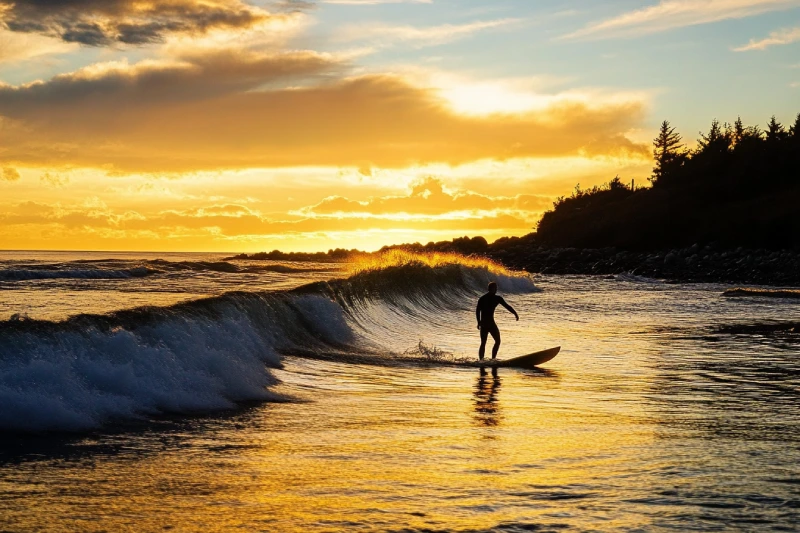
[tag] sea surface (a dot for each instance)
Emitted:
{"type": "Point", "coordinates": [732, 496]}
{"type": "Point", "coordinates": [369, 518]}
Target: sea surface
{"type": "Point", "coordinates": [186, 392]}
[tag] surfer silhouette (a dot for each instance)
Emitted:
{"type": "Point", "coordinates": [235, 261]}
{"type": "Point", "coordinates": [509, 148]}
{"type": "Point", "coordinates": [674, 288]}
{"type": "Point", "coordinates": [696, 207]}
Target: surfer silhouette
{"type": "Point", "coordinates": [484, 312]}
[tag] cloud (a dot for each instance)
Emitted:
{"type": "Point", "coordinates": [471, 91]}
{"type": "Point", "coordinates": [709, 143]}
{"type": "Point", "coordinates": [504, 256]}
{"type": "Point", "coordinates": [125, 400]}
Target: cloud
{"type": "Point", "coordinates": [234, 110]}
{"type": "Point", "coordinates": [227, 222]}
{"type": "Point", "coordinates": [54, 179]}
{"type": "Point", "coordinates": [136, 22]}
{"type": "Point", "coordinates": [430, 35]}
{"type": "Point", "coordinates": [670, 14]}
{"type": "Point", "coordinates": [160, 82]}
{"type": "Point", "coordinates": [20, 47]}
{"type": "Point", "coordinates": [428, 198]}
{"type": "Point", "coordinates": [776, 38]}
{"type": "Point", "coordinates": [9, 174]}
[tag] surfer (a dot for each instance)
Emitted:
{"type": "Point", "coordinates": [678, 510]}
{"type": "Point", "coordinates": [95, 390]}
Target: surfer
{"type": "Point", "coordinates": [485, 315]}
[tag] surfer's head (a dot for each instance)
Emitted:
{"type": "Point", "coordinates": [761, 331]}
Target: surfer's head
{"type": "Point", "coordinates": [493, 287]}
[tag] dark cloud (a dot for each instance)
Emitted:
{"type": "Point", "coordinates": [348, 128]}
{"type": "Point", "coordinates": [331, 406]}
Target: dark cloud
{"type": "Point", "coordinates": [153, 84]}
{"type": "Point", "coordinates": [104, 22]}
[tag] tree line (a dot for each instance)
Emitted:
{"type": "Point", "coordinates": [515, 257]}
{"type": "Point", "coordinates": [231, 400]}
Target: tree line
{"type": "Point", "coordinates": [740, 186]}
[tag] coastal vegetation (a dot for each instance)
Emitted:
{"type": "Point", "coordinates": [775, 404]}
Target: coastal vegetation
{"type": "Point", "coordinates": [739, 187]}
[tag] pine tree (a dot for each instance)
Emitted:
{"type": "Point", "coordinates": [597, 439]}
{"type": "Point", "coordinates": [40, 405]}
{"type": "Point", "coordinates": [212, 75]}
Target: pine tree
{"type": "Point", "coordinates": [716, 140]}
{"type": "Point", "coordinates": [739, 131]}
{"type": "Point", "coordinates": [755, 133]}
{"type": "Point", "coordinates": [668, 152]}
{"type": "Point", "coordinates": [775, 130]}
{"type": "Point", "coordinates": [795, 129]}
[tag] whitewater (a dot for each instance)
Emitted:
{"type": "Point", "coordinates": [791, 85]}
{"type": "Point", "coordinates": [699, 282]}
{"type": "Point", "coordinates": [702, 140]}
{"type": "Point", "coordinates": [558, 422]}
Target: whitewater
{"type": "Point", "coordinates": [215, 394]}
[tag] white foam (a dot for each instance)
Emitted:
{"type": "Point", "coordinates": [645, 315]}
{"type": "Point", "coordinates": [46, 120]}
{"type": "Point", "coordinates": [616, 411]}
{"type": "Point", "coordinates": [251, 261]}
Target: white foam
{"type": "Point", "coordinates": [187, 362]}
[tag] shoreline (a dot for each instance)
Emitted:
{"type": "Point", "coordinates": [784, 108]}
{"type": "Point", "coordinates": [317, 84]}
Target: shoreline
{"type": "Point", "coordinates": [694, 264]}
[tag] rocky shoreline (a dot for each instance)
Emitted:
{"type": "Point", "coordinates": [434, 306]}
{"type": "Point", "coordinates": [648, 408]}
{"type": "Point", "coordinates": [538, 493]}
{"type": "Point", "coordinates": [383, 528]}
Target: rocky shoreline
{"type": "Point", "coordinates": [693, 264]}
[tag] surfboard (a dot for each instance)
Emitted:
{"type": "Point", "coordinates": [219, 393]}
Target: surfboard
{"type": "Point", "coordinates": [525, 361]}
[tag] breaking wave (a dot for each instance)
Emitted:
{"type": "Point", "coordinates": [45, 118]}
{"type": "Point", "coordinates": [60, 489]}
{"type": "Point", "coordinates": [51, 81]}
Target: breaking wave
{"type": "Point", "coordinates": [210, 354]}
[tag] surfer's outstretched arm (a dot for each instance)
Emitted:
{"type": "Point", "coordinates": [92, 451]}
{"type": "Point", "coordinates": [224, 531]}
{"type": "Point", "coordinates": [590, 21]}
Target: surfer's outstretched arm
{"type": "Point", "coordinates": [510, 309]}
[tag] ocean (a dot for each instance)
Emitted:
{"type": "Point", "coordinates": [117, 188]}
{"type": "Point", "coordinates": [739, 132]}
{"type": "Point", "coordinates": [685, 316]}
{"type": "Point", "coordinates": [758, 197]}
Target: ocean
{"type": "Point", "coordinates": [189, 392]}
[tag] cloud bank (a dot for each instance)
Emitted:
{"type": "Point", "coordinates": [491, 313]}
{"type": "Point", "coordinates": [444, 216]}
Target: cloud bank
{"type": "Point", "coordinates": [255, 110]}
{"type": "Point", "coordinates": [136, 22]}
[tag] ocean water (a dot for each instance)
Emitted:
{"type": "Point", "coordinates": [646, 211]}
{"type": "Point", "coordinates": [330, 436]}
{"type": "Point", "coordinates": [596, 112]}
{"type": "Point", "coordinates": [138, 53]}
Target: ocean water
{"type": "Point", "coordinates": [253, 396]}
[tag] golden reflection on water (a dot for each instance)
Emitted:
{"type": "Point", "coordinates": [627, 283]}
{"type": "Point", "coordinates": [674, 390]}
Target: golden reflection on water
{"type": "Point", "coordinates": [632, 429]}
{"type": "Point", "coordinates": [487, 410]}
{"type": "Point", "coordinates": [384, 450]}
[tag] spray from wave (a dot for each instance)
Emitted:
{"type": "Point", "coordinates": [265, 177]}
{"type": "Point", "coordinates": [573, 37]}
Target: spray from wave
{"type": "Point", "coordinates": [211, 354]}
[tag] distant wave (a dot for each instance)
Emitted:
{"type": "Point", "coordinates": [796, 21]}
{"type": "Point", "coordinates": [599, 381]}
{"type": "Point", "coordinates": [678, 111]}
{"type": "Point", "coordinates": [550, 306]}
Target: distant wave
{"type": "Point", "coordinates": [226, 267]}
{"type": "Point", "coordinates": [26, 274]}
{"type": "Point", "coordinates": [768, 293]}
{"type": "Point", "coordinates": [762, 328]}
{"type": "Point", "coordinates": [633, 278]}
{"type": "Point", "coordinates": [208, 354]}
{"type": "Point", "coordinates": [147, 268]}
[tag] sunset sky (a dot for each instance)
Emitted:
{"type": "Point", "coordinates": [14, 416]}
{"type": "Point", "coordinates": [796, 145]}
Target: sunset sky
{"type": "Point", "coordinates": [234, 125]}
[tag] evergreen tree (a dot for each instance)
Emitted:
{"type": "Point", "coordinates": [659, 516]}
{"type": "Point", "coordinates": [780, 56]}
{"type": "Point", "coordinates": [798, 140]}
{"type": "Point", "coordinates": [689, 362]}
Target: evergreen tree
{"type": "Point", "coordinates": [754, 132]}
{"type": "Point", "coordinates": [668, 152]}
{"type": "Point", "coordinates": [740, 187]}
{"type": "Point", "coordinates": [775, 131]}
{"type": "Point", "coordinates": [716, 140]}
{"type": "Point", "coordinates": [739, 131]}
{"type": "Point", "coordinates": [795, 129]}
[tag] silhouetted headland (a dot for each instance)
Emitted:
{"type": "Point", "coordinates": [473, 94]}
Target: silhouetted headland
{"type": "Point", "coordinates": [727, 211]}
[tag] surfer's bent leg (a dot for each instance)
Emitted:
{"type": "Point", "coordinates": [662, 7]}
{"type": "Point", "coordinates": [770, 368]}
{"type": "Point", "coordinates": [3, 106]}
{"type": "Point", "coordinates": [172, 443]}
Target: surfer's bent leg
{"type": "Point", "coordinates": [484, 336]}
{"type": "Point", "coordinates": [495, 331]}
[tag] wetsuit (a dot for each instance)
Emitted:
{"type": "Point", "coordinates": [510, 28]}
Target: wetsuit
{"type": "Point", "coordinates": [484, 312]}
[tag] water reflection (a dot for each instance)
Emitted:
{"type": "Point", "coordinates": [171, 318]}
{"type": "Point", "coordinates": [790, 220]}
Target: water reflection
{"type": "Point", "coordinates": [487, 410]}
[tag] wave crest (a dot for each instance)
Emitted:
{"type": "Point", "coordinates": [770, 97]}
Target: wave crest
{"type": "Point", "coordinates": [402, 267]}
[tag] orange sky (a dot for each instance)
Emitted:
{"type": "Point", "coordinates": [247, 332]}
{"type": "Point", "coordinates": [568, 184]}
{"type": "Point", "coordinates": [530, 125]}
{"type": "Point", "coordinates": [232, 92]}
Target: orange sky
{"type": "Point", "coordinates": [235, 126]}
